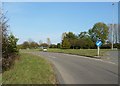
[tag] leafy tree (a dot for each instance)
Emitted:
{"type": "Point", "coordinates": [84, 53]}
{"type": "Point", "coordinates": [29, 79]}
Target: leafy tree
{"type": "Point", "coordinates": [80, 43]}
{"type": "Point", "coordinates": [53, 46]}
{"type": "Point", "coordinates": [44, 45]}
{"type": "Point", "coordinates": [88, 43]}
{"type": "Point", "coordinates": [9, 45]}
{"type": "Point", "coordinates": [63, 35]}
{"type": "Point", "coordinates": [25, 45]}
{"type": "Point", "coordinates": [73, 43]}
{"type": "Point", "coordinates": [58, 45]}
{"type": "Point", "coordinates": [33, 44]}
{"type": "Point", "coordinates": [12, 44]}
{"type": "Point", "coordinates": [99, 30]}
{"type": "Point", "coordinates": [65, 43]}
{"type": "Point", "coordinates": [29, 44]}
{"type": "Point", "coordinates": [70, 35]}
{"type": "Point", "coordinates": [83, 35]}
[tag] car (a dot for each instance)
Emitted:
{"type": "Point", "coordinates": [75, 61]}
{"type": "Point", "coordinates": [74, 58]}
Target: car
{"type": "Point", "coordinates": [45, 49]}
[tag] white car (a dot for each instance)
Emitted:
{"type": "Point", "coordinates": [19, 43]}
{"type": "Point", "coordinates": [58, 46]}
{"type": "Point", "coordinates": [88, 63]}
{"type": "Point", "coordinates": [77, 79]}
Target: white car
{"type": "Point", "coordinates": [45, 50]}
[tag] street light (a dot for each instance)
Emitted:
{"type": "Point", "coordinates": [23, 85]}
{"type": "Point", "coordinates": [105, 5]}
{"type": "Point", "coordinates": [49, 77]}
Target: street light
{"type": "Point", "coordinates": [112, 25]}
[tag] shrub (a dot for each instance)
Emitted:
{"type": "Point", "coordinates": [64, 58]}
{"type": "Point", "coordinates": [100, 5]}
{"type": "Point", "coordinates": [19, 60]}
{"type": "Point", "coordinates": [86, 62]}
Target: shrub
{"type": "Point", "coordinates": [117, 45]}
{"type": "Point", "coordinates": [106, 46]}
{"type": "Point", "coordinates": [9, 51]}
{"type": "Point", "coordinates": [9, 46]}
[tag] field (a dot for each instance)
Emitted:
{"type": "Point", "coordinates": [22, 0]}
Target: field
{"type": "Point", "coordinates": [30, 69]}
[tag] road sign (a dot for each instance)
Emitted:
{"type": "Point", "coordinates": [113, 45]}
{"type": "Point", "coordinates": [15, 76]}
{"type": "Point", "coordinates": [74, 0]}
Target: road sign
{"type": "Point", "coordinates": [99, 43]}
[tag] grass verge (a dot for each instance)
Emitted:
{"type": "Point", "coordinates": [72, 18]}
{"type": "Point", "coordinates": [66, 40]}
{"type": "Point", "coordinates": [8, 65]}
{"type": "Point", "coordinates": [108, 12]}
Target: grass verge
{"type": "Point", "coordinates": [30, 69]}
{"type": "Point", "coordinates": [81, 52]}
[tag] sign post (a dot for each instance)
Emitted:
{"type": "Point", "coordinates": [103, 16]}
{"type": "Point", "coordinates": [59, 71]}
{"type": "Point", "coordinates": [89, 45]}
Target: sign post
{"type": "Point", "coordinates": [98, 51]}
{"type": "Point", "coordinates": [98, 43]}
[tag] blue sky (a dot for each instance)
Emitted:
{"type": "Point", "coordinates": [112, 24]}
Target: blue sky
{"type": "Point", "coordinates": [38, 20]}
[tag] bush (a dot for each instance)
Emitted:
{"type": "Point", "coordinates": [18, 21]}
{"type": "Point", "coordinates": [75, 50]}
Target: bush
{"type": "Point", "coordinates": [7, 63]}
{"type": "Point", "coordinates": [106, 46]}
{"type": "Point", "coordinates": [9, 51]}
{"type": "Point", "coordinates": [53, 46]}
{"type": "Point", "coordinates": [117, 45]}
{"type": "Point", "coordinates": [9, 46]}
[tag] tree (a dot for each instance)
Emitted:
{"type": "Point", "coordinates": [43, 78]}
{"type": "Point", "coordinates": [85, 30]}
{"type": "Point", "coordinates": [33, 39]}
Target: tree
{"type": "Point", "coordinates": [83, 35]}
{"type": "Point", "coordinates": [33, 44]}
{"type": "Point", "coordinates": [58, 45]}
{"type": "Point", "coordinates": [88, 43]}
{"type": "Point", "coordinates": [12, 44]}
{"type": "Point", "coordinates": [9, 44]}
{"type": "Point", "coordinates": [99, 30]}
{"type": "Point", "coordinates": [48, 41]}
{"type": "Point", "coordinates": [63, 35]}
{"type": "Point", "coordinates": [72, 43]}
{"type": "Point", "coordinates": [25, 45]}
{"type": "Point", "coordinates": [29, 44]}
{"type": "Point", "coordinates": [70, 35]}
{"type": "Point", "coordinates": [65, 43]}
{"type": "Point", "coordinates": [53, 46]}
{"type": "Point", "coordinates": [44, 45]}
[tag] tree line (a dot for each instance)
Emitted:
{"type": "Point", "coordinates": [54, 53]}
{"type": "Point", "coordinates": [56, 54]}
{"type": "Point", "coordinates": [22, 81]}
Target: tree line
{"type": "Point", "coordinates": [83, 40]}
{"type": "Point", "coordinates": [87, 39]}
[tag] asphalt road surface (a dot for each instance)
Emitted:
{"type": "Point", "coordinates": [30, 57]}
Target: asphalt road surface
{"type": "Point", "coordinates": [73, 69]}
{"type": "Point", "coordinates": [112, 56]}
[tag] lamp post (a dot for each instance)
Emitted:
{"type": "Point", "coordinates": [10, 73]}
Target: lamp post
{"type": "Point", "coordinates": [112, 25]}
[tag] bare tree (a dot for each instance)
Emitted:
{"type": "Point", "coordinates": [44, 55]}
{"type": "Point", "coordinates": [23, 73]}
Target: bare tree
{"type": "Point", "coordinates": [115, 33]}
{"type": "Point", "coordinates": [48, 41]}
{"type": "Point", "coordinates": [40, 42]}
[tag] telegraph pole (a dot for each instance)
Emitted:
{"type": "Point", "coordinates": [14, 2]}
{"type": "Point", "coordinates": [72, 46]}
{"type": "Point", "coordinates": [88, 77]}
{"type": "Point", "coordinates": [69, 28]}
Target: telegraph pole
{"type": "Point", "coordinates": [1, 41]}
{"type": "Point", "coordinates": [112, 26]}
{"type": "Point", "coordinates": [1, 15]}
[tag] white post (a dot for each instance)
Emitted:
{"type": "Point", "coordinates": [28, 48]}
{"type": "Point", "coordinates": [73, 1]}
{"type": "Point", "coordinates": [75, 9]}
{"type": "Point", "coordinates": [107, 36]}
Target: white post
{"type": "Point", "coordinates": [98, 51]}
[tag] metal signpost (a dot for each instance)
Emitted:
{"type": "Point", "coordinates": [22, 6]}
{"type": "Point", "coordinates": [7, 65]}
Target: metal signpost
{"type": "Point", "coordinates": [98, 43]}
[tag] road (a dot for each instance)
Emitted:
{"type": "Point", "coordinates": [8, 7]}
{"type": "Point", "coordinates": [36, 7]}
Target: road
{"type": "Point", "coordinates": [73, 69]}
{"type": "Point", "coordinates": [112, 56]}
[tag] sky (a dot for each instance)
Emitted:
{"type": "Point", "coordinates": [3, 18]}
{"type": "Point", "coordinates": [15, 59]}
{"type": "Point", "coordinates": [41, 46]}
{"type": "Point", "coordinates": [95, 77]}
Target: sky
{"type": "Point", "coordinates": [41, 20]}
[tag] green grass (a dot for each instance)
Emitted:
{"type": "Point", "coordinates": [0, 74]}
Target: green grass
{"type": "Point", "coordinates": [30, 69]}
{"type": "Point", "coordinates": [0, 78]}
{"type": "Point", "coordinates": [82, 52]}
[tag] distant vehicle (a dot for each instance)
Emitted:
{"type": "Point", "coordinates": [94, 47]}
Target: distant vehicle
{"type": "Point", "coordinates": [45, 49]}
